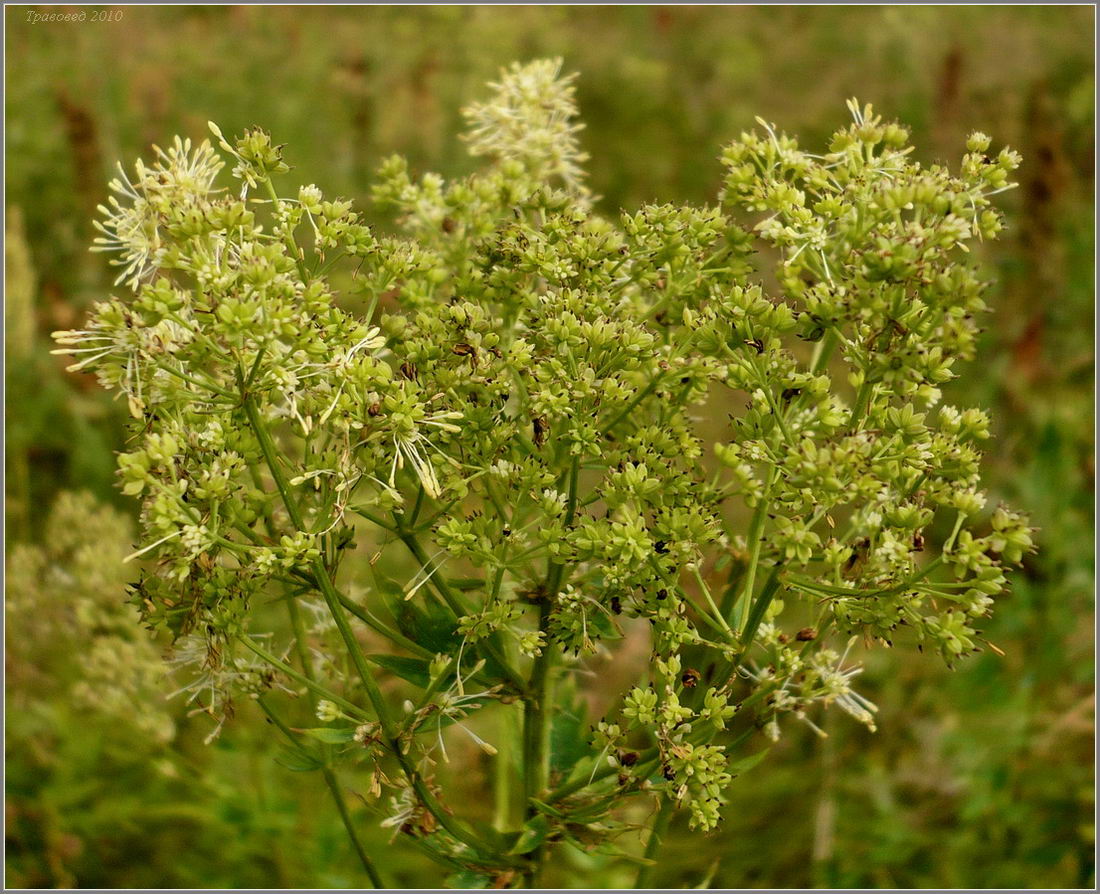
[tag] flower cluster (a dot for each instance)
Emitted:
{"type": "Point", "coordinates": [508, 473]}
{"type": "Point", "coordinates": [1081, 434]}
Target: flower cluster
{"type": "Point", "coordinates": [65, 601]}
{"type": "Point", "coordinates": [527, 400]}
{"type": "Point", "coordinates": [532, 118]}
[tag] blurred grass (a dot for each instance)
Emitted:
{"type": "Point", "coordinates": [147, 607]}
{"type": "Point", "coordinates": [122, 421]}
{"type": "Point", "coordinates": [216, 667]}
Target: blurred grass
{"type": "Point", "coordinates": [978, 778]}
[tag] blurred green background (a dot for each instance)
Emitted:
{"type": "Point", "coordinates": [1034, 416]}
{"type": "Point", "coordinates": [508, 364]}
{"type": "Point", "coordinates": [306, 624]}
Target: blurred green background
{"type": "Point", "coordinates": [978, 778]}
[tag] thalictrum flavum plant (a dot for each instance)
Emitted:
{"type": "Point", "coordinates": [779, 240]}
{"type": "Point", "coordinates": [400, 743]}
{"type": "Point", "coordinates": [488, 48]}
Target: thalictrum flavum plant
{"type": "Point", "coordinates": [718, 428]}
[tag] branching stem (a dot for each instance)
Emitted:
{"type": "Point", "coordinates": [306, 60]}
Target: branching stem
{"type": "Point", "coordinates": [336, 609]}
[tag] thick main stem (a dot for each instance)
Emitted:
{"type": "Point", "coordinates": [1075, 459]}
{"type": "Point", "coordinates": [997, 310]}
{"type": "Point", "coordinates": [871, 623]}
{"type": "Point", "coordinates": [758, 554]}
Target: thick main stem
{"type": "Point", "coordinates": [537, 714]}
{"type": "Point", "coordinates": [536, 720]}
{"type": "Point", "coordinates": [506, 764]}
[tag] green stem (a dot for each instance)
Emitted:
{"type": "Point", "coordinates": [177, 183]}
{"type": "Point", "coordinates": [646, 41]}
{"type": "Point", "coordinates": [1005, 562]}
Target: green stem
{"type": "Point", "coordinates": [537, 715]}
{"type": "Point", "coordinates": [717, 614]}
{"type": "Point", "coordinates": [863, 399]}
{"type": "Point", "coordinates": [379, 626]}
{"type": "Point", "coordinates": [449, 597]}
{"type": "Point", "coordinates": [254, 371]}
{"type": "Point", "coordinates": [341, 805]}
{"type": "Point", "coordinates": [656, 838]}
{"type": "Point", "coordinates": [648, 761]}
{"type": "Point", "coordinates": [374, 622]}
{"type": "Point", "coordinates": [427, 695]}
{"type": "Point", "coordinates": [599, 773]}
{"type": "Point", "coordinates": [634, 401]}
{"type": "Point", "coordinates": [287, 669]}
{"type": "Point", "coordinates": [777, 412]}
{"type": "Point", "coordinates": [359, 659]}
{"type": "Point", "coordinates": [199, 383]}
{"type": "Point", "coordinates": [949, 544]}
{"type": "Point", "coordinates": [758, 610]}
{"type": "Point", "coordinates": [505, 770]}
{"type": "Point", "coordinates": [288, 238]}
{"type": "Point", "coordinates": [300, 640]}
{"type": "Point", "coordinates": [337, 796]}
{"type": "Point", "coordinates": [822, 351]}
{"type": "Point", "coordinates": [416, 507]}
{"type": "Point", "coordinates": [389, 730]}
{"type": "Point", "coordinates": [271, 457]}
{"type": "Point", "coordinates": [374, 519]}
{"type": "Point", "coordinates": [327, 772]}
{"type": "Point", "coordinates": [436, 582]}
{"type": "Point", "coordinates": [536, 718]}
{"type": "Point", "coordinates": [283, 728]}
{"type": "Point", "coordinates": [756, 540]}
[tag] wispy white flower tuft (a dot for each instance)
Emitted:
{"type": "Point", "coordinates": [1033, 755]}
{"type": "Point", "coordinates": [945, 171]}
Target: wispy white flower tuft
{"type": "Point", "coordinates": [836, 683]}
{"type": "Point", "coordinates": [407, 446]}
{"type": "Point", "coordinates": [217, 675]}
{"type": "Point", "coordinates": [532, 119]}
{"type": "Point", "coordinates": [132, 219]}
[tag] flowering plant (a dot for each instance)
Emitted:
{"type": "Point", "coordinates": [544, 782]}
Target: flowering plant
{"type": "Point", "coordinates": [716, 429]}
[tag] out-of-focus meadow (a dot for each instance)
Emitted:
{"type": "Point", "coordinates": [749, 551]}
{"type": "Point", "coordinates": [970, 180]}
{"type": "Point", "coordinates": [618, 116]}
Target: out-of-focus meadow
{"type": "Point", "coordinates": [981, 777]}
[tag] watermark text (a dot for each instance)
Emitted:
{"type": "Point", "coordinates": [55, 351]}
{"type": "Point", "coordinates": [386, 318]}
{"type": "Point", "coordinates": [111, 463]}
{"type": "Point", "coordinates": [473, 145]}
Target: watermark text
{"type": "Point", "coordinates": [34, 17]}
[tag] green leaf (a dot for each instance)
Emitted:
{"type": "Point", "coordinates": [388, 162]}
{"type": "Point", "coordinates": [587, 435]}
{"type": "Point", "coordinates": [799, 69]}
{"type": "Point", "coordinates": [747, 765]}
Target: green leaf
{"type": "Point", "coordinates": [415, 670]}
{"type": "Point", "coordinates": [604, 626]}
{"type": "Point", "coordinates": [297, 760]}
{"type": "Point", "coordinates": [746, 763]}
{"type": "Point", "coordinates": [534, 833]}
{"type": "Point", "coordinates": [468, 878]}
{"type": "Point", "coordinates": [569, 743]}
{"type": "Point", "coordinates": [331, 735]}
{"type": "Point", "coordinates": [548, 808]}
{"type": "Point", "coordinates": [424, 621]}
{"type": "Point", "coordinates": [709, 877]}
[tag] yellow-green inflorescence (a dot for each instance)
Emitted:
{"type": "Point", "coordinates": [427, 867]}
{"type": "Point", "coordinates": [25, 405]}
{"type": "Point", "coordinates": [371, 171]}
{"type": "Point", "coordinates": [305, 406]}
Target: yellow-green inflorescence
{"type": "Point", "coordinates": [724, 420]}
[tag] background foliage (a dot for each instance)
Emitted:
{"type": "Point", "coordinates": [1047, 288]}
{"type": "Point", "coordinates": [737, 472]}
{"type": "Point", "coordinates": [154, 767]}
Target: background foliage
{"type": "Point", "coordinates": [978, 778]}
